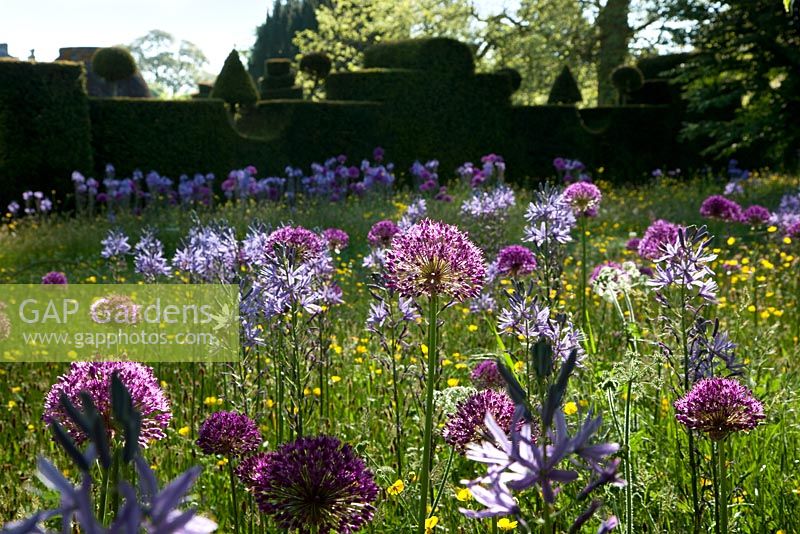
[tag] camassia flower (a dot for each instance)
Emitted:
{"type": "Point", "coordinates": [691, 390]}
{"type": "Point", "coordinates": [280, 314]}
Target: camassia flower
{"type": "Point", "coordinates": [431, 258]}
{"type": "Point", "coordinates": [685, 263]}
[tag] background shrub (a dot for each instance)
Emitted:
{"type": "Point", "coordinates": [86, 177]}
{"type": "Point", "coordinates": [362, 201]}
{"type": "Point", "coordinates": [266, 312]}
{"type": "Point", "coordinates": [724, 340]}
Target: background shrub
{"type": "Point", "coordinates": [565, 89]}
{"type": "Point", "coordinates": [113, 64]}
{"type": "Point", "coordinates": [437, 55]}
{"type": "Point", "coordinates": [234, 85]}
{"type": "Point", "coordinates": [44, 127]}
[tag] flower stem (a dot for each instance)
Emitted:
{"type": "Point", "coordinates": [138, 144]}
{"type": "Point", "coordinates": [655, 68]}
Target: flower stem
{"type": "Point", "coordinates": [427, 445]}
{"type": "Point", "coordinates": [722, 503]}
{"type": "Point", "coordinates": [233, 498]}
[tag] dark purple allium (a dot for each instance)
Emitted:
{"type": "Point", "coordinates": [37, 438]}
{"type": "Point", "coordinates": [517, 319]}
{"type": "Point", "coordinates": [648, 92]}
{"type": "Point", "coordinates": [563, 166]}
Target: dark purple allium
{"type": "Point", "coordinates": [516, 260]}
{"type": "Point", "coordinates": [313, 485]}
{"type": "Point", "coordinates": [55, 278]}
{"type": "Point", "coordinates": [659, 234]}
{"type": "Point", "coordinates": [381, 233]}
{"type": "Point", "coordinates": [756, 215]}
{"type": "Point", "coordinates": [303, 243]}
{"type": "Point", "coordinates": [432, 257]}
{"type": "Point", "coordinates": [633, 244]}
{"type": "Point", "coordinates": [231, 434]}
{"type": "Point", "coordinates": [718, 407]}
{"type": "Point", "coordinates": [793, 230]}
{"type": "Point", "coordinates": [251, 469]}
{"type": "Point", "coordinates": [467, 425]}
{"type": "Point", "coordinates": [95, 379]}
{"type": "Point", "coordinates": [719, 207]}
{"type": "Point", "coordinates": [599, 267]}
{"type": "Point", "coordinates": [584, 198]}
{"type": "Point", "coordinates": [486, 375]}
{"type": "Point", "coordinates": [337, 239]}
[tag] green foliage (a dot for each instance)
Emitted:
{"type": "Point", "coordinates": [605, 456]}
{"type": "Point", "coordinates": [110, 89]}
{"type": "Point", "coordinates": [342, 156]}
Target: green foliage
{"type": "Point", "coordinates": [435, 55]}
{"type": "Point", "coordinates": [169, 67]}
{"type": "Point", "coordinates": [662, 67]}
{"type": "Point", "coordinates": [44, 126]}
{"type": "Point", "coordinates": [234, 85]}
{"type": "Point", "coordinates": [316, 64]}
{"type": "Point", "coordinates": [274, 38]}
{"type": "Point", "coordinates": [743, 88]}
{"type": "Point", "coordinates": [172, 137]}
{"type": "Point", "coordinates": [513, 75]}
{"type": "Point", "coordinates": [277, 67]}
{"type": "Point", "coordinates": [114, 63]}
{"type": "Point", "coordinates": [565, 89]}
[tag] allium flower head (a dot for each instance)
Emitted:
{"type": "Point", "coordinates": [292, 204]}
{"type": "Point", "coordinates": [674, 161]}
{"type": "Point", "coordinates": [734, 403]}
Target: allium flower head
{"type": "Point", "coordinates": [659, 234]}
{"type": "Point", "coordinates": [584, 198]}
{"type": "Point", "coordinates": [314, 485]}
{"type": "Point", "coordinates": [381, 233]}
{"type": "Point", "coordinates": [719, 207]}
{"type": "Point", "coordinates": [95, 379]}
{"type": "Point", "coordinates": [466, 425]}
{"type": "Point", "coordinates": [756, 215]}
{"type": "Point", "coordinates": [435, 258]}
{"type": "Point", "coordinates": [516, 260]}
{"type": "Point", "coordinates": [719, 407]}
{"type": "Point", "coordinates": [302, 243]}
{"type": "Point", "coordinates": [486, 375]}
{"type": "Point", "coordinates": [231, 434]}
{"type": "Point", "coordinates": [337, 239]}
{"type": "Point", "coordinates": [55, 278]}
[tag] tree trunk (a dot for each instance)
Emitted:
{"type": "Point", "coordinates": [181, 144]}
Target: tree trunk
{"type": "Point", "coordinates": [615, 35]}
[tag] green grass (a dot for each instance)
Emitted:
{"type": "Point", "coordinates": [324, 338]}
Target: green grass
{"type": "Point", "coordinates": [764, 463]}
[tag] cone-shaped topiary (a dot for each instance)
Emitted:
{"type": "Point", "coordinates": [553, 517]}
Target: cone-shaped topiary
{"type": "Point", "coordinates": [626, 80]}
{"type": "Point", "coordinates": [565, 89]}
{"type": "Point", "coordinates": [234, 85]}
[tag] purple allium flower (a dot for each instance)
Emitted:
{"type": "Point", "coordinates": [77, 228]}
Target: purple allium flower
{"type": "Point", "coordinates": [337, 239]}
{"type": "Point", "coordinates": [718, 407]}
{"type": "Point", "coordinates": [231, 434]}
{"type": "Point", "coordinates": [719, 207]}
{"type": "Point", "coordinates": [251, 469]}
{"type": "Point", "coordinates": [486, 375]}
{"type": "Point", "coordinates": [432, 257]}
{"type": "Point", "coordinates": [55, 278]}
{"type": "Point", "coordinates": [756, 215]}
{"type": "Point", "coordinates": [793, 230]}
{"type": "Point", "coordinates": [95, 379]}
{"type": "Point", "coordinates": [584, 198]}
{"type": "Point", "coordinates": [516, 260]}
{"type": "Point", "coordinates": [313, 485]}
{"type": "Point", "coordinates": [303, 243]}
{"type": "Point", "coordinates": [633, 244]}
{"type": "Point", "coordinates": [659, 234]}
{"type": "Point", "coordinates": [115, 244]}
{"type": "Point", "coordinates": [466, 425]}
{"type": "Point", "coordinates": [381, 233]}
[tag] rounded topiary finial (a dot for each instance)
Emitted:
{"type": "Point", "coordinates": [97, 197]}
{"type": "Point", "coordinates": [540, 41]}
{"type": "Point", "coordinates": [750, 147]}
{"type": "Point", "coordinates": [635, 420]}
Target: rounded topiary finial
{"type": "Point", "coordinates": [626, 79]}
{"type": "Point", "coordinates": [234, 85]}
{"type": "Point", "coordinates": [514, 76]}
{"type": "Point", "coordinates": [565, 89]}
{"type": "Point", "coordinates": [113, 64]}
{"type": "Point", "coordinates": [316, 64]}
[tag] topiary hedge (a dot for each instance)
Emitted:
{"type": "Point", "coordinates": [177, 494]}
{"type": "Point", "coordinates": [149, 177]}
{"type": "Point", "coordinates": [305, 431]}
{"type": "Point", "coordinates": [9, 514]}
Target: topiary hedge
{"type": "Point", "coordinates": [172, 137]}
{"type": "Point", "coordinates": [437, 55]}
{"type": "Point", "coordinates": [44, 127]}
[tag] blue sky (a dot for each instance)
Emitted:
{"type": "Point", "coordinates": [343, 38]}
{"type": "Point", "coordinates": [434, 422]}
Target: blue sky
{"type": "Point", "coordinates": [215, 26]}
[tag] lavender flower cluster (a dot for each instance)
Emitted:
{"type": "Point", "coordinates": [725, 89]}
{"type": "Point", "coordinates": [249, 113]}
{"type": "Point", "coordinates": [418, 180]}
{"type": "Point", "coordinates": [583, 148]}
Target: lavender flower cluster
{"type": "Point", "coordinates": [426, 179]}
{"type": "Point", "coordinates": [491, 172]}
{"type": "Point", "coordinates": [571, 170]}
{"type": "Point", "coordinates": [35, 203]}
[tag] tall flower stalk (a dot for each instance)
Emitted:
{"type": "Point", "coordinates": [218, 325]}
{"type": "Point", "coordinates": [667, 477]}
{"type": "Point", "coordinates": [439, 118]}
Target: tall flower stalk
{"type": "Point", "coordinates": [433, 260]}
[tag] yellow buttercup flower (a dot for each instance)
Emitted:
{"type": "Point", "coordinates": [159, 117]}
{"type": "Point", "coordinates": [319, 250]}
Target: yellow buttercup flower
{"type": "Point", "coordinates": [464, 495]}
{"type": "Point", "coordinates": [452, 382]}
{"type": "Point", "coordinates": [184, 431]}
{"type": "Point", "coordinates": [431, 523]}
{"type": "Point", "coordinates": [472, 328]}
{"type": "Point", "coordinates": [506, 524]}
{"type": "Point", "coordinates": [396, 488]}
{"type": "Point", "coordinates": [570, 408]}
